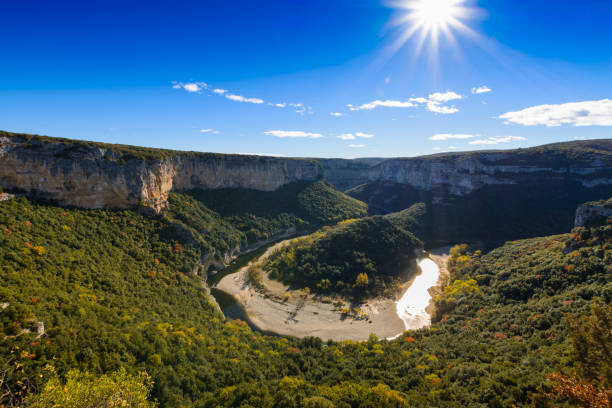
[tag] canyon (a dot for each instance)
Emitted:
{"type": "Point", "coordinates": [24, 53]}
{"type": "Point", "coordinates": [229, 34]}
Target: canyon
{"type": "Point", "coordinates": [456, 186]}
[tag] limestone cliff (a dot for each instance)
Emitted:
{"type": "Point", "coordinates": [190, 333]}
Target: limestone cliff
{"type": "Point", "coordinates": [591, 212]}
{"type": "Point", "coordinates": [457, 174]}
{"type": "Point", "coordinates": [96, 175]}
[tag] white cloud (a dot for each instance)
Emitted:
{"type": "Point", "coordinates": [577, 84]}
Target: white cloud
{"type": "Point", "coordinates": [356, 146]}
{"type": "Point", "coordinates": [437, 108]}
{"type": "Point", "coordinates": [435, 148]}
{"type": "Point", "coordinates": [587, 113]}
{"type": "Point", "coordinates": [448, 136]}
{"type": "Point", "coordinates": [336, 114]}
{"type": "Point", "coordinates": [497, 140]}
{"type": "Point", "coordinates": [481, 90]}
{"type": "Point", "coordinates": [444, 97]}
{"type": "Point", "coordinates": [433, 103]}
{"type": "Point", "coordinates": [212, 131]}
{"type": "Point", "coordinates": [278, 105]}
{"type": "Point", "coordinates": [364, 135]}
{"type": "Point", "coordinates": [418, 100]}
{"type": "Point", "coordinates": [293, 134]}
{"type": "Point", "coordinates": [240, 98]}
{"type": "Point", "coordinates": [219, 91]}
{"type": "Point", "coordinates": [350, 136]}
{"type": "Point", "coordinates": [386, 104]}
{"type": "Point", "coordinates": [190, 86]}
{"type": "Point", "coordinates": [301, 108]}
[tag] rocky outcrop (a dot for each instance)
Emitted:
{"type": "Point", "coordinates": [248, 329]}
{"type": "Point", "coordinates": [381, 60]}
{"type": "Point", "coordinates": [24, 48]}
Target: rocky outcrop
{"type": "Point", "coordinates": [593, 212]}
{"type": "Point", "coordinates": [91, 175]}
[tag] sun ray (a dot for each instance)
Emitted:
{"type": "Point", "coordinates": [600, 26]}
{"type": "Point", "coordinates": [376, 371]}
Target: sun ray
{"type": "Point", "coordinates": [435, 21]}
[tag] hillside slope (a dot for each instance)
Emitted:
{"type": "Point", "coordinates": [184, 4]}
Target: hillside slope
{"type": "Point", "coordinates": [356, 258]}
{"type": "Point", "coordinates": [112, 289]}
{"type": "Point", "coordinates": [228, 222]}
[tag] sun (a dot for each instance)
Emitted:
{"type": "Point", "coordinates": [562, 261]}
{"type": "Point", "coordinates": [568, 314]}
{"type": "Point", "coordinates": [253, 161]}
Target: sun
{"type": "Point", "coordinates": [435, 14]}
{"type": "Point", "coordinates": [431, 20]}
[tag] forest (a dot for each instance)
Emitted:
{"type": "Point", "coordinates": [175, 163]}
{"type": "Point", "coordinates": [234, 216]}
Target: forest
{"type": "Point", "coordinates": [357, 258]}
{"type": "Point", "coordinates": [109, 298]}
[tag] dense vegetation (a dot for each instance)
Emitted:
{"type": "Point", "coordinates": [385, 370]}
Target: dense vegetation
{"type": "Point", "coordinates": [316, 203]}
{"type": "Point", "coordinates": [113, 290]}
{"type": "Point", "coordinates": [360, 258]}
{"type": "Point", "coordinates": [223, 222]}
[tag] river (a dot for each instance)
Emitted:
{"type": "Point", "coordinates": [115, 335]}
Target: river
{"type": "Point", "coordinates": [314, 318]}
{"type": "Point", "coordinates": [411, 308]}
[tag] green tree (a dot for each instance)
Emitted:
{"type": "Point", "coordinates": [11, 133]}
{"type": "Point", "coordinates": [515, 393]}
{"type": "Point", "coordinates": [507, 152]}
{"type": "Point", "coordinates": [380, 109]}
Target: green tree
{"type": "Point", "coordinates": [82, 389]}
{"type": "Point", "coordinates": [591, 338]}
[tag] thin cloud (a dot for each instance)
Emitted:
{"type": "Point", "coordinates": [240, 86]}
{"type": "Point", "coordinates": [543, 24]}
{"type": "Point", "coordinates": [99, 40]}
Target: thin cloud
{"type": "Point", "coordinates": [350, 136]}
{"type": "Point", "coordinates": [336, 114]}
{"type": "Point", "coordinates": [481, 90]}
{"type": "Point", "coordinates": [197, 87]}
{"type": "Point", "coordinates": [587, 113]}
{"type": "Point", "coordinates": [293, 134]}
{"type": "Point", "coordinates": [418, 100]}
{"type": "Point", "coordinates": [357, 146]}
{"type": "Point", "coordinates": [211, 131]}
{"type": "Point", "coordinates": [444, 97]}
{"type": "Point", "coordinates": [433, 103]}
{"type": "Point", "coordinates": [301, 108]}
{"type": "Point", "coordinates": [191, 87]}
{"type": "Point", "coordinates": [385, 104]}
{"type": "Point", "coordinates": [364, 135]}
{"type": "Point", "coordinates": [449, 136]}
{"type": "Point", "coordinates": [497, 140]}
{"type": "Point", "coordinates": [240, 98]}
{"type": "Point", "coordinates": [435, 107]}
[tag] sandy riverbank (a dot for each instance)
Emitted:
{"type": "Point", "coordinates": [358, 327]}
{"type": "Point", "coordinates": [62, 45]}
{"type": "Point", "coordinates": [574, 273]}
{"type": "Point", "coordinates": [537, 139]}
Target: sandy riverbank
{"type": "Point", "coordinates": [302, 316]}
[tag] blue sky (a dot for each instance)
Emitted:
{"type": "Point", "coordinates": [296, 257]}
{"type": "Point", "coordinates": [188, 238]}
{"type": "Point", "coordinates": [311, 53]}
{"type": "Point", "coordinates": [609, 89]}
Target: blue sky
{"type": "Point", "coordinates": [266, 76]}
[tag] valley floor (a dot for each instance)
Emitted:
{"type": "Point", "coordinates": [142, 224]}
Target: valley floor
{"type": "Point", "coordinates": [302, 316]}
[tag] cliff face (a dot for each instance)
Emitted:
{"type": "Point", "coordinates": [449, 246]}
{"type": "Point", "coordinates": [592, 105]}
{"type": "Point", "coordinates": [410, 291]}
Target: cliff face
{"type": "Point", "coordinates": [464, 176]}
{"type": "Point", "coordinates": [493, 196]}
{"type": "Point", "coordinates": [590, 212]}
{"type": "Point", "coordinates": [474, 191]}
{"type": "Point", "coordinates": [94, 176]}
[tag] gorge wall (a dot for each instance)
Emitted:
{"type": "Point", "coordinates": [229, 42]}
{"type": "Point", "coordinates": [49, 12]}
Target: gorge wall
{"type": "Point", "coordinates": [492, 195]}
{"type": "Point", "coordinates": [486, 197]}
{"type": "Point", "coordinates": [94, 175]}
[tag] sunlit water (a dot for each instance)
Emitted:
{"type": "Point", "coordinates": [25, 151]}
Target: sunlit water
{"type": "Point", "coordinates": [411, 307]}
